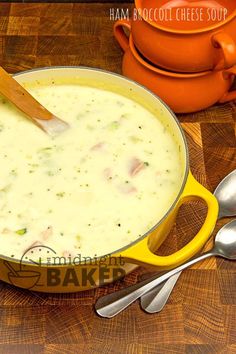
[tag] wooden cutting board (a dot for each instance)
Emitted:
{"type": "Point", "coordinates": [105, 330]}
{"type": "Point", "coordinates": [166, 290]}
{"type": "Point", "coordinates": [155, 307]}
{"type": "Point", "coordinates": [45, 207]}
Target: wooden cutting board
{"type": "Point", "coordinates": [201, 314]}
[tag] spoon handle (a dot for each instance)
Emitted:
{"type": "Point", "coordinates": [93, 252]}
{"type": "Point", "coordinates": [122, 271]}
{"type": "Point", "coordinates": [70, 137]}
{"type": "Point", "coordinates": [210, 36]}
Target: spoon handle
{"type": "Point", "coordinates": [10, 268]}
{"type": "Point", "coordinates": [111, 304]}
{"type": "Point", "coordinates": [154, 301]}
{"type": "Point", "coordinates": [21, 98]}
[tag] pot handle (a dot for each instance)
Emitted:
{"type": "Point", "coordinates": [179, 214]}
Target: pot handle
{"type": "Point", "coordinates": [140, 252]}
{"type": "Point", "coordinates": [230, 95]}
{"type": "Point", "coordinates": [119, 33]}
{"type": "Point", "coordinates": [226, 43]}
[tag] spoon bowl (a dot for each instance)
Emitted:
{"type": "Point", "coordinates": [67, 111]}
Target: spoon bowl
{"type": "Point", "coordinates": [225, 241]}
{"type": "Point", "coordinates": [226, 195]}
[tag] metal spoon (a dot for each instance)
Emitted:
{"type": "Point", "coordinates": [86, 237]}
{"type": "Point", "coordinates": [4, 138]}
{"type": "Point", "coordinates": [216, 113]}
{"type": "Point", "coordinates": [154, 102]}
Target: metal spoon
{"type": "Point", "coordinates": [155, 300]}
{"type": "Point", "coordinates": [23, 100]}
{"type": "Point", "coordinates": [111, 304]}
{"type": "Point", "coordinates": [226, 195]}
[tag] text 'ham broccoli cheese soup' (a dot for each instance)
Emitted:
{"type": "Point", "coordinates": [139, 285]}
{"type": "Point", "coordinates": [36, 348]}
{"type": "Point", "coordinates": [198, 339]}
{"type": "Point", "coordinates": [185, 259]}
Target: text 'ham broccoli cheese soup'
{"type": "Point", "coordinates": [95, 188]}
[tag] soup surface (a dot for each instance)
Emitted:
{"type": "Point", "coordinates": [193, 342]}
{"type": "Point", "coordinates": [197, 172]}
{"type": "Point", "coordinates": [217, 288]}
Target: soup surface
{"type": "Point", "coordinates": [91, 190]}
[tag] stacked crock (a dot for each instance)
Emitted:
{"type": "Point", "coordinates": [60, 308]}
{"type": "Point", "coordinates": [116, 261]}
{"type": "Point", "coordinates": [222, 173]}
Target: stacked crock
{"type": "Point", "coordinates": [189, 64]}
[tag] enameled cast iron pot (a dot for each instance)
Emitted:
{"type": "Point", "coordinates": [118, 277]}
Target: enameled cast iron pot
{"type": "Point", "coordinates": [186, 49]}
{"type": "Point", "coordinates": [184, 93]}
{"type": "Point", "coordinates": [69, 277]}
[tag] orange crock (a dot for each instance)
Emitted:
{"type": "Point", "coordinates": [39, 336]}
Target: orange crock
{"type": "Point", "coordinates": [180, 47]}
{"type": "Point", "coordinates": [184, 93]}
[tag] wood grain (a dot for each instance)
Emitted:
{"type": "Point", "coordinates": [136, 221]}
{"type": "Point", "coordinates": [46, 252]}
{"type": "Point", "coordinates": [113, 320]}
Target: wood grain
{"type": "Point", "coordinates": [201, 314]}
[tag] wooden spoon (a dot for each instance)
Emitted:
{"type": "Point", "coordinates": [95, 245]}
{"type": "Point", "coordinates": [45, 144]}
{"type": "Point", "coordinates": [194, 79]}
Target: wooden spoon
{"type": "Point", "coordinates": [23, 100]}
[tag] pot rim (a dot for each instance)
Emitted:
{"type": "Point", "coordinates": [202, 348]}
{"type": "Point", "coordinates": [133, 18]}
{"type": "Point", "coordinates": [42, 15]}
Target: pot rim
{"type": "Point", "coordinates": [186, 156]}
{"type": "Point", "coordinates": [138, 5]}
{"type": "Point", "coordinates": [165, 72]}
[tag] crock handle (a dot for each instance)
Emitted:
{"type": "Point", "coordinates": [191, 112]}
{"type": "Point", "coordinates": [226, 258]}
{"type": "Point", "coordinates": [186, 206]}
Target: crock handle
{"type": "Point", "coordinates": [119, 33]}
{"type": "Point", "coordinates": [140, 252]}
{"type": "Point", "coordinates": [227, 44]}
{"type": "Point", "coordinates": [229, 96]}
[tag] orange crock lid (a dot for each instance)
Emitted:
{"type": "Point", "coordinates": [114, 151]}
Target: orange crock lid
{"type": "Point", "coordinates": [152, 4]}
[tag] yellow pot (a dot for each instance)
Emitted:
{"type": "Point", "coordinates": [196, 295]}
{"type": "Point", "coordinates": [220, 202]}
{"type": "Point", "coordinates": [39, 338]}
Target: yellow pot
{"type": "Point", "coordinates": [60, 275]}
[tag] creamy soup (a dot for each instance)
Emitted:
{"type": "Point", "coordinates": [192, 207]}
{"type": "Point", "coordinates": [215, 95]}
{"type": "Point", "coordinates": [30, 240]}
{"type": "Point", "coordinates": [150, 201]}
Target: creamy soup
{"type": "Point", "coordinates": [93, 189]}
